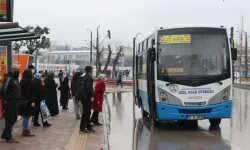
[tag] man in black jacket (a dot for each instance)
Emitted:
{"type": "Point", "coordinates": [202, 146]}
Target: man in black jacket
{"type": "Point", "coordinates": [86, 98]}
{"type": "Point", "coordinates": [75, 85]}
{"type": "Point", "coordinates": [11, 93]}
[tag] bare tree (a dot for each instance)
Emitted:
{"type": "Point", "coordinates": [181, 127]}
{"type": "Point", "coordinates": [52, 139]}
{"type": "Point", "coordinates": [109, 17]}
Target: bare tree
{"type": "Point", "coordinates": [98, 57]}
{"type": "Point", "coordinates": [108, 59]}
{"type": "Point", "coordinates": [115, 61]}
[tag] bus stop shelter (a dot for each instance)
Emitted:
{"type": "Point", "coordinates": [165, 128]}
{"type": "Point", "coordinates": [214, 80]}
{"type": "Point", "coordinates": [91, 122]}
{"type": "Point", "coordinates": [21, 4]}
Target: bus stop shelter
{"type": "Point", "coordinates": [12, 32]}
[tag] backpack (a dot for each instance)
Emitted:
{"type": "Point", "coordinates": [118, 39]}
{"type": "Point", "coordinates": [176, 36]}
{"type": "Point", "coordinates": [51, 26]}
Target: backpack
{"type": "Point", "coordinates": [5, 87]}
{"type": "Point", "coordinates": [80, 94]}
{"type": "Point", "coordinates": [118, 77]}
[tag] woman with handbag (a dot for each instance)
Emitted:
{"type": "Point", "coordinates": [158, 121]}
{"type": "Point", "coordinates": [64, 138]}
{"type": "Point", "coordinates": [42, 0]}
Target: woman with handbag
{"type": "Point", "coordinates": [26, 107]}
{"type": "Point", "coordinates": [39, 92]}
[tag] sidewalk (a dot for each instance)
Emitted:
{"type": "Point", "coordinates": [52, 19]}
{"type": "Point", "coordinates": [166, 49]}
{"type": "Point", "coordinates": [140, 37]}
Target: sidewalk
{"type": "Point", "coordinates": [113, 89]}
{"type": "Point", "coordinates": [63, 134]}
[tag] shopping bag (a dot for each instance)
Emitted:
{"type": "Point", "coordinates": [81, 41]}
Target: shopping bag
{"type": "Point", "coordinates": [44, 111]}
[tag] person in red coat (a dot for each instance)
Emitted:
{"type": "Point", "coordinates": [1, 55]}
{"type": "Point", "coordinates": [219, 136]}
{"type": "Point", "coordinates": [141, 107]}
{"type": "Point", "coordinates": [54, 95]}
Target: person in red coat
{"type": "Point", "coordinates": [98, 96]}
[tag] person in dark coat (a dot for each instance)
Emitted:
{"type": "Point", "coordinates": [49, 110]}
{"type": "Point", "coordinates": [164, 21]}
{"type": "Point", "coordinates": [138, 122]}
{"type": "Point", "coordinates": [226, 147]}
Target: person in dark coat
{"type": "Point", "coordinates": [39, 92]}
{"type": "Point", "coordinates": [85, 95]}
{"type": "Point", "coordinates": [32, 68]}
{"type": "Point", "coordinates": [27, 95]}
{"type": "Point", "coordinates": [11, 94]}
{"type": "Point", "coordinates": [75, 85]}
{"type": "Point", "coordinates": [98, 96]}
{"type": "Point", "coordinates": [65, 91]}
{"type": "Point", "coordinates": [51, 101]}
{"type": "Point", "coordinates": [60, 76]}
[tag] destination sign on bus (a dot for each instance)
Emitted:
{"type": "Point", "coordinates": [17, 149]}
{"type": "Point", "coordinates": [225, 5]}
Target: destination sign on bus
{"type": "Point", "coordinates": [175, 39]}
{"type": "Point", "coordinates": [175, 70]}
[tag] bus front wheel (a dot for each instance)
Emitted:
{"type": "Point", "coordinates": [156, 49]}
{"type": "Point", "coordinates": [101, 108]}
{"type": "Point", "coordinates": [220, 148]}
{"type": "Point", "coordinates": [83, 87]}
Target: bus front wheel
{"type": "Point", "coordinates": [215, 122]}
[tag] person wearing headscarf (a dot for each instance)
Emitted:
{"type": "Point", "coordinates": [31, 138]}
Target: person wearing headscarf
{"type": "Point", "coordinates": [51, 101]}
{"type": "Point", "coordinates": [32, 68]}
{"type": "Point", "coordinates": [98, 99]}
{"type": "Point", "coordinates": [39, 92]}
{"type": "Point", "coordinates": [65, 92]}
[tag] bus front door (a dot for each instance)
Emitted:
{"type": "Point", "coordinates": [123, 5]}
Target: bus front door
{"type": "Point", "coordinates": [151, 82]}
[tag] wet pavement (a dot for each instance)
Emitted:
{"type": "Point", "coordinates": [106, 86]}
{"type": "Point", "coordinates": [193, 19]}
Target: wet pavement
{"type": "Point", "coordinates": [126, 133]}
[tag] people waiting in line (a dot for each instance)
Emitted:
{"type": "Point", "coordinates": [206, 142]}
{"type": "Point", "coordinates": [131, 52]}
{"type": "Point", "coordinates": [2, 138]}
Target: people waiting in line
{"type": "Point", "coordinates": [36, 87]}
{"type": "Point", "coordinates": [75, 85]}
{"type": "Point", "coordinates": [11, 94]}
{"type": "Point", "coordinates": [85, 95]}
{"type": "Point", "coordinates": [39, 92]}
{"type": "Point", "coordinates": [52, 101]}
{"type": "Point", "coordinates": [65, 93]}
{"type": "Point", "coordinates": [98, 99]}
{"type": "Point", "coordinates": [27, 109]}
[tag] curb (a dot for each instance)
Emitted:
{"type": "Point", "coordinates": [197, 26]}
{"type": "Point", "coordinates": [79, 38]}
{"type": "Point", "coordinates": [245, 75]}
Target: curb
{"type": "Point", "coordinates": [245, 87]}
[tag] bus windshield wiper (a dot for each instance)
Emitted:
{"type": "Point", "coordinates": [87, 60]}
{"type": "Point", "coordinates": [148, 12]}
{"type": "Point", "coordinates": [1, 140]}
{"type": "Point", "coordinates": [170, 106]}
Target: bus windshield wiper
{"type": "Point", "coordinates": [170, 80]}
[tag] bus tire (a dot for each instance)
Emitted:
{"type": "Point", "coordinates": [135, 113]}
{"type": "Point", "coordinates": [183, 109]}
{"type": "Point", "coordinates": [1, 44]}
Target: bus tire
{"type": "Point", "coordinates": [215, 122]}
{"type": "Point", "coordinates": [157, 123]}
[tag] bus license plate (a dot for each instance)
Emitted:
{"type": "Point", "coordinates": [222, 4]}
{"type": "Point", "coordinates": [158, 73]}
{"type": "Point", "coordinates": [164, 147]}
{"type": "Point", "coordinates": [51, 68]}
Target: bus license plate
{"type": "Point", "coordinates": [195, 117]}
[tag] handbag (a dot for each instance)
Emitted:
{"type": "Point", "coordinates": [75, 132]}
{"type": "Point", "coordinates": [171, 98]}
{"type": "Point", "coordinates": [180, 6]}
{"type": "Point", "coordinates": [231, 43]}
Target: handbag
{"type": "Point", "coordinates": [44, 111]}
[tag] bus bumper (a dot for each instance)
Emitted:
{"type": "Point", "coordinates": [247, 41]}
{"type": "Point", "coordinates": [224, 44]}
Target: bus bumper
{"type": "Point", "coordinates": [171, 112]}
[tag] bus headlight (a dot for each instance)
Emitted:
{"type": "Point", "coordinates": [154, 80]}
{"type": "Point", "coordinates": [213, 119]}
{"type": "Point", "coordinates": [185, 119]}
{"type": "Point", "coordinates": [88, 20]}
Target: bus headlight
{"type": "Point", "coordinates": [162, 93]}
{"type": "Point", "coordinates": [220, 97]}
{"type": "Point", "coordinates": [163, 99]}
{"type": "Point", "coordinates": [226, 92]}
{"type": "Point", "coordinates": [167, 98]}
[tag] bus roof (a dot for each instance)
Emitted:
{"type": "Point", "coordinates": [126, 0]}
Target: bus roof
{"type": "Point", "coordinates": [183, 26]}
{"type": "Point", "coordinates": [191, 26]}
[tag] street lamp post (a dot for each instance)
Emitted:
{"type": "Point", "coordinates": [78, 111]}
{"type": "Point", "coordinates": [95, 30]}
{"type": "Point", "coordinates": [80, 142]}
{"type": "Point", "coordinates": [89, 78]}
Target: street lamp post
{"type": "Point", "coordinates": [246, 55]}
{"type": "Point", "coordinates": [90, 46]}
{"type": "Point", "coordinates": [97, 49]}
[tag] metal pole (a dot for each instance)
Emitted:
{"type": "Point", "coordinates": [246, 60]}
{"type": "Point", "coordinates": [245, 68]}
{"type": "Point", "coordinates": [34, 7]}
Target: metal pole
{"type": "Point", "coordinates": [232, 46]}
{"type": "Point", "coordinates": [134, 66]}
{"type": "Point", "coordinates": [91, 47]}
{"type": "Point", "coordinates": [241, 47]}
{"type": "Point", "coordinates": [97, 50]}
{"type": "Point", "coordinates": [246, 61]}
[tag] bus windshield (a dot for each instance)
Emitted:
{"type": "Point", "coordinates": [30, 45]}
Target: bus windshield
{"type": "Point", "coordinates": [201, 55]}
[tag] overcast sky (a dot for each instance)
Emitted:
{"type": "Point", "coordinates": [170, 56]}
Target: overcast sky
{"type": "Point", "coordinates": [69, 19]}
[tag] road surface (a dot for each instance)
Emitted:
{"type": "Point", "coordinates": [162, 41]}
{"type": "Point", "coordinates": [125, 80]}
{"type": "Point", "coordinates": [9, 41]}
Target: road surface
{"type": "Point", "coordinates": [126, 133]}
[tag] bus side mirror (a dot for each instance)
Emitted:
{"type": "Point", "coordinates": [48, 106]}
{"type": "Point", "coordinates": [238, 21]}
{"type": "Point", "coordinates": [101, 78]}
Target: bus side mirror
{"type": "Point", "coordinates": [153, 42]}
{"type": "Point", "coordinates": [234, 53]}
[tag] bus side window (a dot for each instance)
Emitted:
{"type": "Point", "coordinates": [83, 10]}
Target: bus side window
{"type": "Point", "coordinates": [140, 66]}
{"type": "Point", "coordinates": [142, 45]}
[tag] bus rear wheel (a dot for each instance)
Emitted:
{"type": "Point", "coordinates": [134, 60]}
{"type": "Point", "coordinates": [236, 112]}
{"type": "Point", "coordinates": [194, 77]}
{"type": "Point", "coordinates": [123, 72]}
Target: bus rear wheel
{"type": "Point", "coordinates": [215, 122]}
